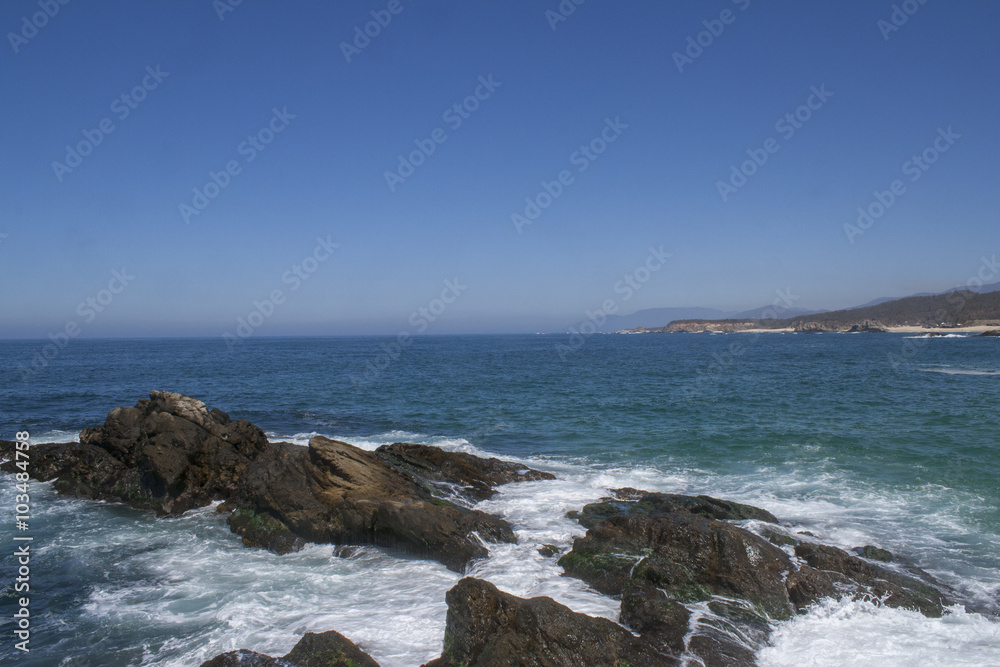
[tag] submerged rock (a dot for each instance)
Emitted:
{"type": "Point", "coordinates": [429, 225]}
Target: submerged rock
{"type": "Point", "coordinates": [327, 649]}
{"type": "Point", "coordinates": [489, 628]}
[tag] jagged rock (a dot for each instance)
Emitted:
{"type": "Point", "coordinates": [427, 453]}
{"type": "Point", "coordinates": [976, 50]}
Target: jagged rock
{"type": "Point", "coordinates": [689, 557]}
{"type": "Point", "coordinates": [170, 453]}
{"type": "Point", "coordinates": [327, 649]}
{"type": "Point", "coordinates": [489, 628]}
{"type": "Point", "coordinates": [812, 327]}
{"type": "Point", "coordinates": [865, 578]}
{"type": "Point", "coordinates": [337, 493]}
{"type": "Point", "coordinates": [648, 611]}
{"type": "Point", "coordinates": [476, 476]}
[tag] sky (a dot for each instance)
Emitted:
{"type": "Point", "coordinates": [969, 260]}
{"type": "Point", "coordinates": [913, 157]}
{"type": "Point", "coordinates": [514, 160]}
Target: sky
{"type": "Point", "coordinates": [200, 168]}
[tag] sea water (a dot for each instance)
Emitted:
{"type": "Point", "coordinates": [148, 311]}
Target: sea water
{"type": "Point", "coordinates": [874, 439]}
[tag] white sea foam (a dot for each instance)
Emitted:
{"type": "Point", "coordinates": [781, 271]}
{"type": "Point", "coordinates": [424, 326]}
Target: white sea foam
{"type": "Point", "coordinates": [857, 633]}
{"type": "Point", "coordinates": [958, 371]}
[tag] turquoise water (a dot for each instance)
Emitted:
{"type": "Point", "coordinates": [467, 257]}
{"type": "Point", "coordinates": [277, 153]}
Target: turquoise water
{"type": "Point", "coordinates": [860, 439]}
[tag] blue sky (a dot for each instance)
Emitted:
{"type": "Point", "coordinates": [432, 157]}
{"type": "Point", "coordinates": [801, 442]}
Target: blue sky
{"type": "Point", "coordinates": [887, 95]}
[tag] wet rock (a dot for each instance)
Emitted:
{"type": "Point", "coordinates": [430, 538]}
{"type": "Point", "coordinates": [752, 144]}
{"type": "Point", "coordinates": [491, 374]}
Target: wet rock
{"type": "Point", "coordinates": [548, 550]}
{"type": "Point", "coordinates": [874, 553]}
{"type": "Point", "coordinates": [489, 628]}
{"type": "Point", "coordinates": [326, 649]}
{"type": "Point", "coordinates": [990, 333]}
{"type": "Point", "coordinates": [689, 557]}
{"type": "Point", "coordinates": [475, 477]}
{"type": "Point", "coordinates": [633, 501]}
{"type": "Point", "coordinates": [333, 492]}
{"type": "Point", "coordinates": [866, 579]}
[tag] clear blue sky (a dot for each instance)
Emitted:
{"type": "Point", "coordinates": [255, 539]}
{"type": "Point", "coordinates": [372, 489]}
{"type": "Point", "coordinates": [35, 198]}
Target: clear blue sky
{"type": "Point", "coordinates": [323, 175]}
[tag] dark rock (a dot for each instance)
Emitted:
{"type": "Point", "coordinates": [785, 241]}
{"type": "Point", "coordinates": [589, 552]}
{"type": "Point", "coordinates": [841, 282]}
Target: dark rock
{"type": "Point", "coordinates": [812, 327]}
{"type": "Point", "coordinates": [689, 557]}
{"type": "Point", "coordinates": [642, 502]}
{"type": "Point", "coordinates": [337, 493]}
{"type": "Point", "coordinates": [778, 539]}
{"type": "Point", "coordinates": [490, 628]}
{"type": "Point", "coordinates": [170, 454]}
{"type": "Point", "coordinates": [327, 649]}
{"type": "Point", "coordinates": [990, 333]}
{"type": "Point", "coordinates": [648, 611]}
{"type": "Point", "coordinates": [477, 476]}
{"type": "Point", "coordinates": [548, 550]}
{"type": "Point", "coordinates": [874, 553]}
{"type": "Point", "coordinates": [866, 578]}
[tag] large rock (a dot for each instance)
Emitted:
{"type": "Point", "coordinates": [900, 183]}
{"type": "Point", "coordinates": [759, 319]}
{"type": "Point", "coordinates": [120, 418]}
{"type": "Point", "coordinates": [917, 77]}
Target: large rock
{"type": "Point", "coordinates": [868, 326]}
{"type": "Point", "coordinates": [489, 628]}
{"type": "Point", "coordinates": [337, 493]}
{"type": "Point", "coordinates": [475, 477]}
{"type": "Point", "coordinates": [327, 649]}
{"type": "Point", "coordinates": [170, 453]}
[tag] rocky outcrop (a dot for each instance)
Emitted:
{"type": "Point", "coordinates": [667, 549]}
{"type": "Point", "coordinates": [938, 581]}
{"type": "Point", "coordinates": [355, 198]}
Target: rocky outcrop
{"type": "Point", "coordinates": [813, 327]}
{"type": "Point", "coordinates": [489, 628]}
{"type": "Point", "coordinates": [665, 555]}
{"type": "Point", "coordinates": [327, 649]}
{"type": "Point", "coordinates": [333, 492]}
{"type": "Point", "coordinates": [991, 333]}
{"type": "Point", "coordinates": [868, 326]}
{"type": "Point", "coordinates": [170, 454]}
{"type": "Point", "coordinates": [470, 476]}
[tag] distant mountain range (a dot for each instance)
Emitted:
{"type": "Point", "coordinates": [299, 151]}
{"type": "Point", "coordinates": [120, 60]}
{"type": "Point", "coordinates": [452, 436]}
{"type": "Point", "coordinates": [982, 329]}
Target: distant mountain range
{"type": "Point", "coordinates": [655, 318]}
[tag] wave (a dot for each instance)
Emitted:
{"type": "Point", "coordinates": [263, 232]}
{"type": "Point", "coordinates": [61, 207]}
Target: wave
{"type": "Point", "coordinates": [957, 371]}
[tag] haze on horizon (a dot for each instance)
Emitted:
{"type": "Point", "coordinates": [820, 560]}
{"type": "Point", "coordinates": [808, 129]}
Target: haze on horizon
{"type": "Point", "coordinates": [171, 168]}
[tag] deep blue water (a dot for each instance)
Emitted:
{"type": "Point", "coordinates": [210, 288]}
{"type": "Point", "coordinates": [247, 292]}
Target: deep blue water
{"type": "Point", "coordinates": [880, 438]}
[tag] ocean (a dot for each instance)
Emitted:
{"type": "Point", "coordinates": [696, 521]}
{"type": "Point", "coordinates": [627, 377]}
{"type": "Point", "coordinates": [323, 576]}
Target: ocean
{"type": "Point", "coordinates": [881, 439]}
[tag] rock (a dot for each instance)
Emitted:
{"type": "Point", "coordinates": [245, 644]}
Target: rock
{"type": "Point", "coordinates": [327, 649]}
{"type": "Point", "coordinates": [333, 492]}
{"type": "Point", "coordinates": [548, 550]}
{"type": "Point", "coordinates": [778, 539]}
{"type": "Point", "coordinates": [643, 502]}
{"type": "Point", "coordinates": [990, 333]}
{"type": "Point", "coordinates": [865, 579]}
{"type": "Point", "coordinates": [689, 557]}
{"type": "Point", "coordinates": [868, 326]}
{"type": "Point", "coordinates": [812, 327]}
{"type": "Point", "coordinates": [477, 476]}
{"type": "Point", "coordinates": [874, 553]}
{"type": "Point", "coordinates": [657, 618]}
{"type": "Point", "coordinates": [170, 454]}
{"type": "Point", "coordinates": [489, 628]}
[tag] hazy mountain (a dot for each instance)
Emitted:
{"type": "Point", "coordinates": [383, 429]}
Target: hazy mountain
{"type": "Point", "coordinates": [657, 317]}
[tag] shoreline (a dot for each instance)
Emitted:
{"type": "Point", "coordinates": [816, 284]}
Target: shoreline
{"type": "Point", "coordinates": [975, 329]}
